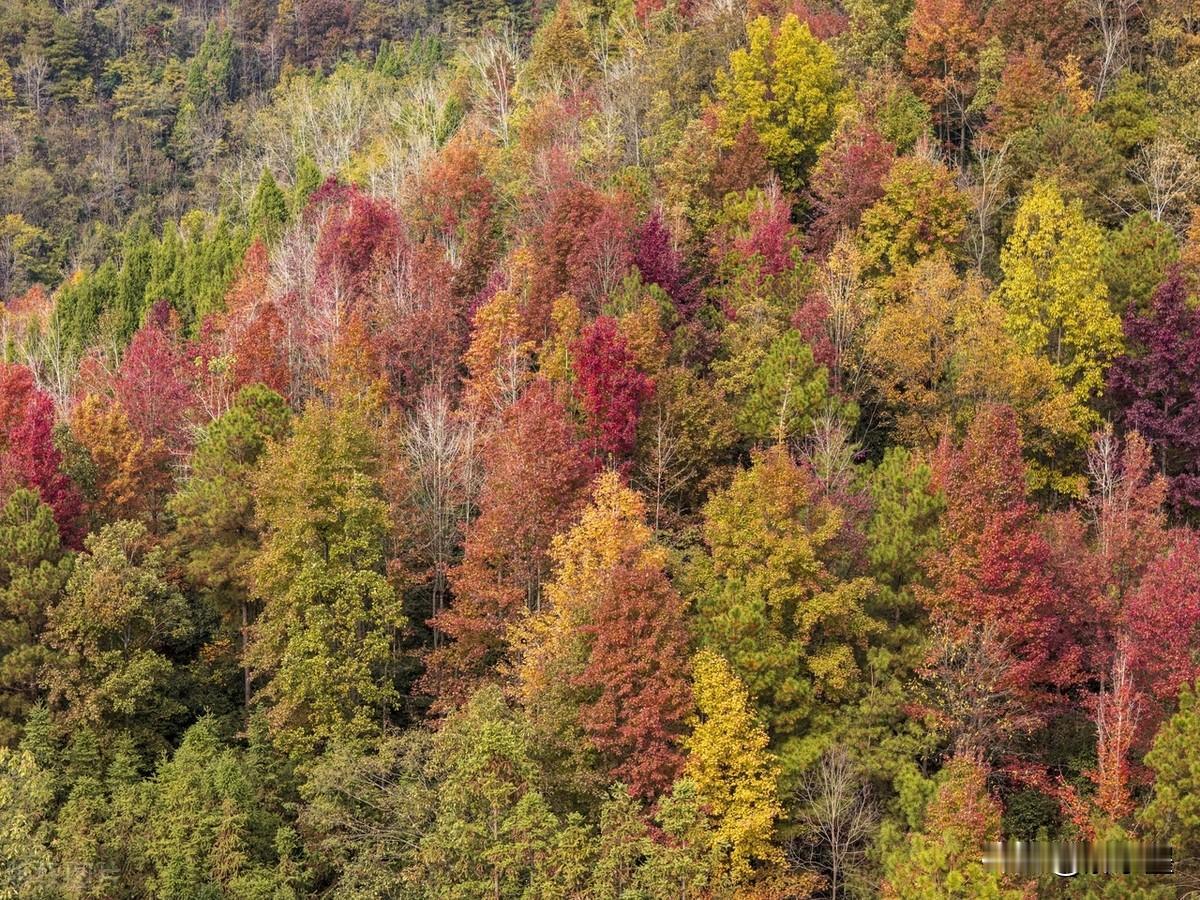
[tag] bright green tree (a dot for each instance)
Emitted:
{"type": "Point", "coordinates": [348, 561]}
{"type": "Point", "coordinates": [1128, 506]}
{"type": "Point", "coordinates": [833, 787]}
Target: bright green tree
{"type": "Point", "coordinates": [786, 391]}
{"type": "Point", "coordinates": [1055, 294]}
{"type": "Point", "coordinates": [137, 264]}
{"type": "Point", "coordinates": [80, 303]}
{"type": "Point", "coordinates": [1173, 812]}
{"type": "Point", "coordinates": [209, 831]}
{"type": "Point", "coordinates": [786, 84]}
{"type": "Point", "coordinates": [306, 179]}
{"type": "Point", "coordinates": [324, 649]}
{"type": "Point", "coordinates": [903, 527]}
{"type": "Point", "coordinates": [1136, 258]}
{"type": "Point", "coordinates": [268, 213]}
{"type": "Point", "coordinates": [116, 630]}
{"type": "Point", "coordinates": [492, 826]}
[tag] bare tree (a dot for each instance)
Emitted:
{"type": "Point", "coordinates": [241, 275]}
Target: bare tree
{"type": "Point", "coordinates": [1104, 469]}
{"type": "Point", "coordinates": [33, 73]}
{"type": "Point", "coordinates": [985, 188]}
{"type": "Point", "coordinates": [494, 61]}
{"type": "Point", "coordinates": [664, 470]}
{"type": "Point", "coordinates": [441, 450]}
{"type": "Point", "coordinates": [830, 452]}
{"type": "Point", "coordinates": [1169, 173]}
{"type": "Point", "coordinates": [974, 694]}
{"type": "Point", "coordinates": [1117, 715]}
{"type": "Point", "coordinates": [840, 285]}
{"type": "Point", "coordinates": [31, 330]}
{"type": "Point", "coordinates": [293, 277]}
{"type": "Point", "coordinates": [837, 816]}
{"type": "Point", "coordinates": [1111, 19]}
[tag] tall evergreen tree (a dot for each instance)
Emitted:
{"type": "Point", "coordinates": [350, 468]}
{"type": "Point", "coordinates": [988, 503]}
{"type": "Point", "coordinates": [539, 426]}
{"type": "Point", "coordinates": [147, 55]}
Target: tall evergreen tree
{"type": "Point", "coordinates": [33, 573]}
{"type": "Point", "coordinates": [324, 650]}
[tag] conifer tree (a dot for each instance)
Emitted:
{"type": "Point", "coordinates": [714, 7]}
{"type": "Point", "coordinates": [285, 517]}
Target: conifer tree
{"type": "Point", "coordinates": [492, 825]}
{"type": "Point", "coordinates": [268, 213]}
{"type": "Point", "coordinates": [33, 574]}
{"type": "Point", "coordinates": [323, 652]}
{"type": "Point", "coordinates": [115, 634]}
{"type": "Point", "coordinates": [786, 391]}
{"type": "Point", "coordinates": [1172, 813]}
{"type": "Point", "coordinates": [216, 533]}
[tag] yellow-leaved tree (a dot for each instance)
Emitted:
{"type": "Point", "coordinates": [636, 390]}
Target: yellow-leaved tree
{"type": "Point", "coordinates": [1055, 296]}
{"type": "Point", "coordinates": [939, 350]}
{"type": "Point", "coordinates": [735, 774]}
{"type": "Point", "coordinates": [786, 84]}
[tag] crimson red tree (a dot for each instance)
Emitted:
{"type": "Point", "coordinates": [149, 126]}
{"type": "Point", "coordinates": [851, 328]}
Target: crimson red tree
{"type": "Point", "coordinates": [28, 456]}
{"type": "Point", "coordinates": [661, 264]}
{"type": "Point", "coordinates": [1156, 387]}
{"type": "Point", "coordinates": [847, 180]}
{"type": "Point", "coordinates": [996, 567]}
{"type": "Point", "coordinates": [155, 383]}
{"type": "Point", "coordinates": [1162, 619]}
{"type": "Point", "coordinates": [610, 388]}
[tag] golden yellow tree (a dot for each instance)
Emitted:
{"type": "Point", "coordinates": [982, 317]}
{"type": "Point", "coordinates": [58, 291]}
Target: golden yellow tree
{"type": "Point", "coordinates": [612, 527]}
{"type": "Point", "coordinates": [1055, 293]}
{"type": "Point", "coordinates": [735, 775]}
{"type": "Point", "coordinates": [786, 84]}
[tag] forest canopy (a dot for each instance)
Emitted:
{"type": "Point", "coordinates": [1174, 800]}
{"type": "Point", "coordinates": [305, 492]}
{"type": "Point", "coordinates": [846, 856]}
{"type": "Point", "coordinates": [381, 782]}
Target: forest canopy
{"type": "Point", "coordinates": [668, 449]}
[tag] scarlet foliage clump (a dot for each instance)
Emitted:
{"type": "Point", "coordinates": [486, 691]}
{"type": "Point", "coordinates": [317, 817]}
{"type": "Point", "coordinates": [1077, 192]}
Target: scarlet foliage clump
{"type": "Point", "coordinates": [848, 178]}
{"type": "Point", "coordinates": [610, 388]}
{"type": "Point", "coordinates": [1157, 385]}
{"type": "Point", "coordinates": [28, 455]}
{"type": "Point", "coordinates": [1162, 619]}
{"type": "Point", "coordinates": [359, 230]}
{"type": "Point", "coordinates": [535, 481]}
{"type": "Point", "coordinates": [771, 238]}
{"type": "Point", "coordinates": [583, 247]}
{"type": "Point", "coordinates": [155, 382]}
{"type": "Point", "coordinates": [996, 568]}
{"type": "Point", "coordinates": [455, 208]}
{"type": "Point", "coordinates": [662, 265]}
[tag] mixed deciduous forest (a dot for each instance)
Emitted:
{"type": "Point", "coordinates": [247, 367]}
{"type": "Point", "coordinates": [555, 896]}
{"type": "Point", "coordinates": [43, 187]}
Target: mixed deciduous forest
{"type": "Point", "coordinates": [668, 449]}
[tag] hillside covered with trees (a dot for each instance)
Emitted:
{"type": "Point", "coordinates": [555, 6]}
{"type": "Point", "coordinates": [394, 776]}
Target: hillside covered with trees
{"type": "Point", "coordinates": [669, 449]}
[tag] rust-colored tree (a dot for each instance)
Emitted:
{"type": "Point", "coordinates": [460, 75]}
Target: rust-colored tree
{"type": "Point", "coordinates": [639, 669]}
{"type": "Point", "coordinates": [535, 481]}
